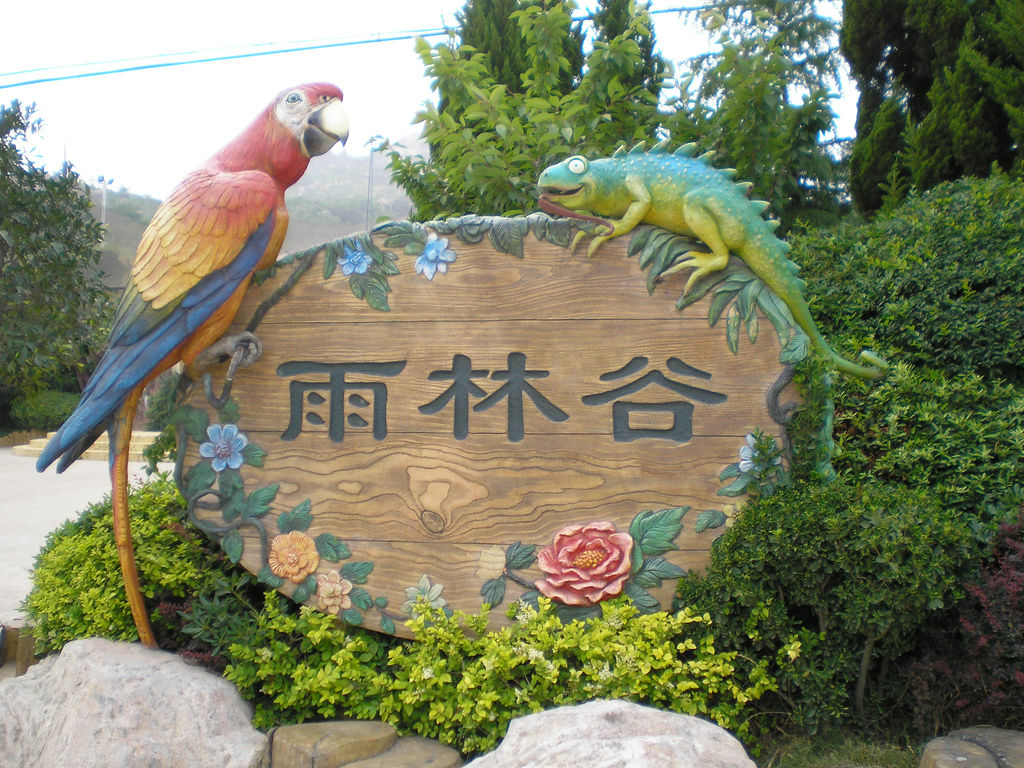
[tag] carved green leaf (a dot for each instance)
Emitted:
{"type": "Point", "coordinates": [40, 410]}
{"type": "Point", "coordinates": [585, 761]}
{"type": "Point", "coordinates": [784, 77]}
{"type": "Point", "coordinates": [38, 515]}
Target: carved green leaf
{"type": "Point", "coordinates": [253, 455]}
{"type": "Point", "coordinates": [258, 503]}
{"type": "Point", "coordinates": [199, 477]}
{"type": "Point", "coordinates": [656, 569]}
{"type": "Point", "coordinates": [557, 231]}
{"type": "Point", "coordinates": [354, 618]}
{"type": "Point", "coordinates": [733, 470]}
{"type": "Point", "coordinates": [752, 327]}
{"type": "Point", "coordinates": [298, 519]}
{"type": "Point", "coordinates": [723, 296]}
{"type": "Point", "coordinates": [269, 578]}
{"type": "Point", "coordinates": [232, 493]}
{"type": "Point", "coordinates": [233, 544]}
{"type": "Point", "coordinates": [372, 289]}
{"type": "Point", "coordinates": [796, 349]}
{"type": "Point", "coordinates": [330, 261]}
{"type": "Point", "coordinates": [305, 590]}
{"type": "Point", "coordinates": [194, 421]}
{"type": "Point", "coordinates": [732, 328]}
{"type": "Point", "coordinates": [737, 487]}
{"type": "Point", "coordinates": [654, 533]}
{"type": "Point", "coordinates": [776, 311]}
{"type": "Point", "coordinates": [387, 625]}
{"type": "Point", "coordinates": [638, 241]}
{"type": "Point", "coordinates": [519, 556]}
{"type": "Point", "coordinates": [360, 598]}
{"type": "Point", "coordinates": [331, 548]}
{"type": "Point", "coordinates": [356, 571]}
{"type": "Point", "coordinates": [381, 602]}
{"type": "Point", "coordinates": [569, 613]}
{"type": "Point", "coordinates": [493, 591]}
{"type": "Point", "coordinates": [506, 235]}
{"type": "Point", "coordinates": [404, 239]}
{"type": "Point", "coordinates": [642, 599]}
{"type": "Point", "coordinates": [710, 518]}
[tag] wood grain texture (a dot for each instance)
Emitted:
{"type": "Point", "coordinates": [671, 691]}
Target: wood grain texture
{"type": "Point", "coordinates": [403, 489]}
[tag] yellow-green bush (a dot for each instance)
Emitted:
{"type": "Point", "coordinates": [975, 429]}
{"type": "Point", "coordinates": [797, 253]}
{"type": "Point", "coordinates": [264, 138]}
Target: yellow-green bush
{"type": "Point", "coordinates": [462, 684]}
{"type": "Point", "coordinates": [77, 588]}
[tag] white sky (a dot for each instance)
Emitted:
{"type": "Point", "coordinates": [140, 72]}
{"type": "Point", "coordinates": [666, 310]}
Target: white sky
{"type": "Point", "coordinates": [147, 129]}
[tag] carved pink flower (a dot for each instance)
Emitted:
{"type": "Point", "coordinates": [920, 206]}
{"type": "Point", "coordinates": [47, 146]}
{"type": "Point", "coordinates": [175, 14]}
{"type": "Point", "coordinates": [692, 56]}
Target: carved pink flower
{"type": "Point", "coordinates": [585, 564]}
{"type": "Point", "coordinates": [293, 556]}
{"type": "Point", "coordinates": [332, 592]}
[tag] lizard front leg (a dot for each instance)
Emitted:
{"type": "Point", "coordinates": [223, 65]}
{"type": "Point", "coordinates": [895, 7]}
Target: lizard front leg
{"type": "Point", "coordinates": [635, 213]}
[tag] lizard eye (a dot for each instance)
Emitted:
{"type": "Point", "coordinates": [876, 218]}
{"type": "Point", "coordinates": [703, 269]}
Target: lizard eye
{"type": "Point", "coordinates": [577, 165]}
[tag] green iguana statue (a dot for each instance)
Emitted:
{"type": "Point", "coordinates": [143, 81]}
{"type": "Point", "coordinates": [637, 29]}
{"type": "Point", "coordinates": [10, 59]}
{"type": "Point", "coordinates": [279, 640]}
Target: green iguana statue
{"type": "Point", "coordinates": [687, 196]}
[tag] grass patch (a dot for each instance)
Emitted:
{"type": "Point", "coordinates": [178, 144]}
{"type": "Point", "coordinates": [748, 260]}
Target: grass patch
{"type": "Point", "coordinates": [837, 751]}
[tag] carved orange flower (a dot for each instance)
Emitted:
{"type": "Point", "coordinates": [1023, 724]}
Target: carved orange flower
{"type": "Point", "coordinates": [293, 556]}
{"type": "Point", "coordinates": [585, 564]}
{"type": "Point", "coordinates": [332, 592]}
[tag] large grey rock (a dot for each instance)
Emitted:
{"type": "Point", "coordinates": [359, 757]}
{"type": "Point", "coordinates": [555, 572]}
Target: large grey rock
{"type": "Point", "coordinates": [979, 747]}
{"type": "Point", "coordinates": [109, 704]}
{"type": "Point", "coordinates": [614, 734]}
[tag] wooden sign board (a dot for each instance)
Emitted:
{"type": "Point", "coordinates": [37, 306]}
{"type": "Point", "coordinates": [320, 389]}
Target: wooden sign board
{"type": "Point", "coordinates": [521, 420]}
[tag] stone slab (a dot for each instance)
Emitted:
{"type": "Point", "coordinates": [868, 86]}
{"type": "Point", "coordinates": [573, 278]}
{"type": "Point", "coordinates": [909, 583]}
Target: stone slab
{"type": "Point", "coordinates": [329, 744]}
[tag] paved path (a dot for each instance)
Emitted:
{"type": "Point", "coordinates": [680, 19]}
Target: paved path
{"type": "Point", "coordinates": [32, 505]}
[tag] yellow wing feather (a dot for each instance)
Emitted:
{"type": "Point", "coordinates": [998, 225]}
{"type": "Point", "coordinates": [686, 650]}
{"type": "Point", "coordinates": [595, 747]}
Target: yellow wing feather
{"type": "Point", "coordinates": [200, 228]}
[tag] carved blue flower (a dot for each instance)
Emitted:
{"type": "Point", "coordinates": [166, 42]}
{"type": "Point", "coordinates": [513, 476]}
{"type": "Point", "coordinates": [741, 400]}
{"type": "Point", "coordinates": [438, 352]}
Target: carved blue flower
{"type": "Point", "coordinates": [435, 257]}
{"type": "Point", "coordinates": [747, 454]}
{"type": "Point", "coordinates": [760, 454]}
{"type": "Point", "coordinates": [355, 262]}
{"type": "Point", "coordinates": [224, 446]}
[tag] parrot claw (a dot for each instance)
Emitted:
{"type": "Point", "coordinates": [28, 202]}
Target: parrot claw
{"type": "Point", "coordinates": [244, 348]}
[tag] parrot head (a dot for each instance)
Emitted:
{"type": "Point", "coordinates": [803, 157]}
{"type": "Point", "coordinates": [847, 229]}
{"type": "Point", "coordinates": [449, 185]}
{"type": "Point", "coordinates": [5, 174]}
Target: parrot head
{"type": "Point", "coordinates": [300, 123]}
{"type": "Point", "coordinates": [314, 116]}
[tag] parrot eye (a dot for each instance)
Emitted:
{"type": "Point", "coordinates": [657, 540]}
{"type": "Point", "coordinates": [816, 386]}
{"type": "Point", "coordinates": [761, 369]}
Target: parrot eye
{"type": "Point", "coordinates": [577, 165]}
{"type": "Point", "coordinates": [293, 98]}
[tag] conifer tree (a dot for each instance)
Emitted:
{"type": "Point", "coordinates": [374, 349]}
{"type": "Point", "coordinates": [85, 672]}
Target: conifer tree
{"type": "Point", "coordinates": [611, 19]}
{"type": "Point", "coordinates": [951, 70]}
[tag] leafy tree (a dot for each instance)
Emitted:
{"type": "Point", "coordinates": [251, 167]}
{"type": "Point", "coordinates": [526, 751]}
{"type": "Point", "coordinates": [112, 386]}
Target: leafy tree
{"type": "Point", "coordinates": [490, 143]}
{"type": "Point", "coordinates": [762, 102]}
{"type": "Point", "coordinates": [52, 302]}
{"type": "Point", "coordinates": [951, 70]}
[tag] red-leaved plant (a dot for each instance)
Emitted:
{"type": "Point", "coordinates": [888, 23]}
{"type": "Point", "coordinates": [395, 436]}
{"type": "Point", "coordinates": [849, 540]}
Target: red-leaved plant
{"type": "Point", "coordinates": [972, 671]}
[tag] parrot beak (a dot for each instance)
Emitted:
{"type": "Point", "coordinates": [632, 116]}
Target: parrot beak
{"type": "Point", "coordinates": [324, 128]}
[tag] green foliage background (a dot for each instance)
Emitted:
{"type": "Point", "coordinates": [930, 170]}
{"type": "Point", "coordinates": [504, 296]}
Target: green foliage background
{"type": "Point", "coordinates": [53, 308]}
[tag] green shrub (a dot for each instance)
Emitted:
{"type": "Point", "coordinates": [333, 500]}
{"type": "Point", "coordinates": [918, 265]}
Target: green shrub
{"type": "Point", "coordinates": [938, 283]}
{"type": "Point", "coordinates": [851, 570]}
{"type": "Point", "coordinates": [45, 409]}
{"type": "Point", "coordinates": [958, 437]}
{"type": "Point", "coordinates": [77, 589]}
{"type": "Point", "coordinates": [461, 684]}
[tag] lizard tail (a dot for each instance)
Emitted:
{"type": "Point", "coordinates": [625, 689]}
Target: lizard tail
{"type": "Point", "coordinates": [873, 365]}
{"type": "Point", "coordinates": [768, 257]}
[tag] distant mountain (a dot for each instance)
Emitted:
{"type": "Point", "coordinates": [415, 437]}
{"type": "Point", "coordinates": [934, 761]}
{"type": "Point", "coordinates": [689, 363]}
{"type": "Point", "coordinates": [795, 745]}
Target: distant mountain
{"type": "Point", "coordinates": [329, 202]}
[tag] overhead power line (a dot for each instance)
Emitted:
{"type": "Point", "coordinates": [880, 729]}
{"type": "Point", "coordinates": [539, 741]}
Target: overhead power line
{"type": "Point", "coordinates": [164, 61]}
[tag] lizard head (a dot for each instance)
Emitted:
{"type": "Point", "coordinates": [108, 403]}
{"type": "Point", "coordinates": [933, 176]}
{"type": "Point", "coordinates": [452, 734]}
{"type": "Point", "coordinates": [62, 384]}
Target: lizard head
{"type": "Point", "coordinates": [565, 187]}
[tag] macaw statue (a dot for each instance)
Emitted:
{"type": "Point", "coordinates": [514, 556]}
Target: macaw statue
{"type": "Point", "coordinates": [192, 269]}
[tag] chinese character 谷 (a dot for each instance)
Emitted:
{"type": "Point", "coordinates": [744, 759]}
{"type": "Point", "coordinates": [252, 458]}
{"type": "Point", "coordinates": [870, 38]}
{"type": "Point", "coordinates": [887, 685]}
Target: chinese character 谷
{"type": "Point", "coordinates": [681, 410]}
